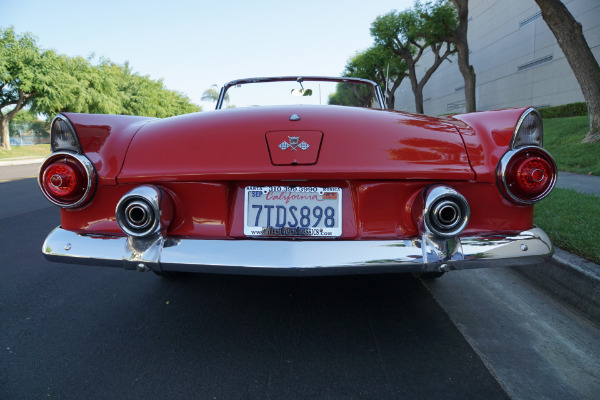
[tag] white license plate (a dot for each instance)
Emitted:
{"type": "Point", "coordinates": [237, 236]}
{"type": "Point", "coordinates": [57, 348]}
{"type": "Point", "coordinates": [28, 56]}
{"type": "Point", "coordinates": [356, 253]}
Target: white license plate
{"type": "Point", "coordinates": [293, 211]}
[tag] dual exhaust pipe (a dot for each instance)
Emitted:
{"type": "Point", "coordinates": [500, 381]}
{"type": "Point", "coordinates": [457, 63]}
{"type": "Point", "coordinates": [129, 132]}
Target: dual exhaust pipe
{"type": "Point", "coordinates": [146, 211]}
{"type": "Point", "coordinates": [445, 212]}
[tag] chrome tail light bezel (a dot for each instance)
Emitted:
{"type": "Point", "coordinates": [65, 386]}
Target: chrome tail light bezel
{"type": "Point", "coordinates": [88, 177]}
{"type": "Point", "coordinates": [504, 168]}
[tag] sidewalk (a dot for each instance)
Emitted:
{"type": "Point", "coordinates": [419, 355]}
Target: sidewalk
{"type": "Point", "coordinates": [582, 183]}
{"type": "Point", "coordinates": [9, 162]}
{"type": "Point", "coordinates": [568, 277]}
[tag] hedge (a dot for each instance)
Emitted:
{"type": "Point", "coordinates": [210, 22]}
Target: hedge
{"type": "Point", "coordinates": [566, 110]}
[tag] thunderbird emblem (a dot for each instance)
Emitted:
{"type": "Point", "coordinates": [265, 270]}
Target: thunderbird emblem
{"type": "Point", "coordinates": [294, 144]}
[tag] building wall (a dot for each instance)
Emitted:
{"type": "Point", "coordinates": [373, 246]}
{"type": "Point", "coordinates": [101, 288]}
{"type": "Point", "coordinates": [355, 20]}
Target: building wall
{"type": "Point", "coordinates": [516, 58]}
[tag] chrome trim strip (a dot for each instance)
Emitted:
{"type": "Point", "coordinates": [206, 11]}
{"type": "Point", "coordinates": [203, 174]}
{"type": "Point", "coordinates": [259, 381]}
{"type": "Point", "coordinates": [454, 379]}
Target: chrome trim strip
{"type": "Point", "coordinates": [299, 257]}
{"type": "Point", "coordinates": [69, 247]}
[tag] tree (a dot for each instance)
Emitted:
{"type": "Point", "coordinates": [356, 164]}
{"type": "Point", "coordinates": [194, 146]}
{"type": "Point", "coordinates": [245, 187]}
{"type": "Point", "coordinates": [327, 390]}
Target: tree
{"type": "Point", "coordinates": [212, 94]}
{"type": "Point", "coordinates": [380, 65]}
{"type": "Point", "coordinates": [48, 83]}
{"type": "Point", "coordinates": [409, 33]}
{"type": "Point", "coordinates": [569, 35]}
{"type": "Point", "coordinates": [351, 94]}
{"type": "Point", "coordinates": [28, 77]}
{"type": "Point", "coordinates": [459, 38]}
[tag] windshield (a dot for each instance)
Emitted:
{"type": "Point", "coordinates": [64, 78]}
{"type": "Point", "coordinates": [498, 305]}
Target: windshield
{"type": "Point", "coordinates": [293, 91]}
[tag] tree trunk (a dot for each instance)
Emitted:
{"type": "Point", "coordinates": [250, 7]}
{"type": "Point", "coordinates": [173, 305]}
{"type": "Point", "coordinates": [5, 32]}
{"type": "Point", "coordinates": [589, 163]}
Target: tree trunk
{"type": "Point", "coordinates": [569, 35]}
{"type": "Point", "coordinates": [416, 88]}
{"type": "Point", "coordinates": [390, 101]}
{"type": "Point", "coordinates": [5, 119]}
{"type": "Point", "coordinates": [462, 47]}
{"type": "Point", "coordinates": [5, 133]}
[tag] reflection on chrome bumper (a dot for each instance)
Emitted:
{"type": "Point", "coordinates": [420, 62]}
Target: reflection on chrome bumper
{"type": "Point", "coordinates": [299, 257]}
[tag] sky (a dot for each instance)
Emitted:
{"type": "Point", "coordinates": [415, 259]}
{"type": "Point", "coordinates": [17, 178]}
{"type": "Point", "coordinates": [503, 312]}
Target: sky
{"type": "Point", "coordinates": [191, 45]}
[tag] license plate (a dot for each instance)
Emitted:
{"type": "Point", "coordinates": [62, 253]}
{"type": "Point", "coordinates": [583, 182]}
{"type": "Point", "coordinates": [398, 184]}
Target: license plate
{"type": "Point", "coordinates": [293, 211]}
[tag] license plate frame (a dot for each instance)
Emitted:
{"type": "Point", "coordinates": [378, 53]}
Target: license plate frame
{"type": "Point", "coordinates": [287, 215]}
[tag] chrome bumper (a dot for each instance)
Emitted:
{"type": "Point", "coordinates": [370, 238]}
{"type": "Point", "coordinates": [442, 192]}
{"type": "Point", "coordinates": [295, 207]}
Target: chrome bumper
{"type": "Point", "coordinates": [299, 257]}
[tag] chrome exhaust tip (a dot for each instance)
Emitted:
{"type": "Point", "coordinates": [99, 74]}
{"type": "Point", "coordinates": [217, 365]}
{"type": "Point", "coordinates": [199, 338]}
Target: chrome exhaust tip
{"type": "Point", "coordinates": [446, 212]}
{"type": "Point", "coordinates": [139, 212]}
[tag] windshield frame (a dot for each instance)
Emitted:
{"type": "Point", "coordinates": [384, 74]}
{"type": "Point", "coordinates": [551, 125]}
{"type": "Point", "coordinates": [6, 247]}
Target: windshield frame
{"type": "Point", "coordinates": [377, 90]}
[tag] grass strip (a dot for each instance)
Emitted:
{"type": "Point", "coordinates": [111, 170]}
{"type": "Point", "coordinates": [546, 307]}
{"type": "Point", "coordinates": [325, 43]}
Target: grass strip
{"type": "Point", "coordinates": [36, 150]}
{"type": "Point", "coordinates": [562, 138]}
{"type": "Point", "coordinates": [572, 221]}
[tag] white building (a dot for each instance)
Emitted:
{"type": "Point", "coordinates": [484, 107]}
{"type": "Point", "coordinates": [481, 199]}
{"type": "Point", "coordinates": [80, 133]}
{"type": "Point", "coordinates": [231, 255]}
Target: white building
{"type": "Point", "coordinates": [516, 58]}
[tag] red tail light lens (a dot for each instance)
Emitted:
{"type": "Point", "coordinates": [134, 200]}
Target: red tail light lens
{"type": "Point", "coordinates": [526, 175]}
{"type": "Point", "coordinates": [62, 180]}
{"type": "Point", "coordinates": [530, 176]}
{"type": "Point", "coordinates": [67, 179]}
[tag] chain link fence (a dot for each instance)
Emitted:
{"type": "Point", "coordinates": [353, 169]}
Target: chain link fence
{"type": "Point", "coordinates": [29, 133]}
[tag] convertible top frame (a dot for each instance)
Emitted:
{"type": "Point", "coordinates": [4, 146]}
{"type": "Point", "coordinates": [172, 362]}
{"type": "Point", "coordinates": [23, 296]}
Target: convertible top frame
{"type": "Point", "coordinates": [378, 92]}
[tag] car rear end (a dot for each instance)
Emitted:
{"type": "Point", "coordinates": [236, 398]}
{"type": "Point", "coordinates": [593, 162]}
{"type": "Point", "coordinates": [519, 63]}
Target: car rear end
{"type": "Point", "coordinates": [300, 191]}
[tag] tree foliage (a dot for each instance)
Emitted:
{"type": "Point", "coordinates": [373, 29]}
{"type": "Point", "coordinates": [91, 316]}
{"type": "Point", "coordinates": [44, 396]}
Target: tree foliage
{"type": "Point", "coordinates": [49, 83]}
{"type": "Point", "coordinates": [28, 77]}
{"type": "Point", "coordinates": [212, 94]}
{"type": "Point", "coordinates": [350, 94]}
{"type": "Point", "coordinates": [381, 65]}
{"type": "Point", "coordinates": [409, 33]}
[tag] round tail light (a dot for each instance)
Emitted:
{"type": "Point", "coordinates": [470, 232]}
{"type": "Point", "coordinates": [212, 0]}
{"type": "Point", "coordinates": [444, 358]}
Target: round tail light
{"type": "Point", "coordinates": [526, 175]}
{"type": "Point", "coordinates": [67, 179]}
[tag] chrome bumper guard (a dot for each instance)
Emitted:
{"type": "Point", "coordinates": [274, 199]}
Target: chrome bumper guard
{"type": "Point", "coordinates": [299, 257]}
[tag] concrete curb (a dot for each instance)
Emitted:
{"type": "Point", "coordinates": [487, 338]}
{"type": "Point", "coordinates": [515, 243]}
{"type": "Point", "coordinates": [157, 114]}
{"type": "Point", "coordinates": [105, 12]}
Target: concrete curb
{"type": "Point", "coordinates": [571, 279]}
{"type": "Point", "coordinates": [20, 161]}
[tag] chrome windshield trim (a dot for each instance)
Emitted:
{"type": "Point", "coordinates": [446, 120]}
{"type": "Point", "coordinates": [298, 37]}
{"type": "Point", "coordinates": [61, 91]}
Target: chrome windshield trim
{"type": "Point", "coordinates": [301, 257]}
{"type": "Point", "coordinates": [378, 92]}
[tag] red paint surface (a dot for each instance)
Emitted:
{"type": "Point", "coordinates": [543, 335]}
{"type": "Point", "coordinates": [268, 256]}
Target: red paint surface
{"type": "Point", "coordinates": [381, 159]}
{"type": "Point", "coordinates": [371, 209]}
{"type": "Point", "coordinates": [357, 144]}
{"type": "Point", "coordinates": [487, 135]}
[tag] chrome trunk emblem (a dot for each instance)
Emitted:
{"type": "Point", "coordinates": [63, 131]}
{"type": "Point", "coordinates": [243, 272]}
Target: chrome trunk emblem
{"type": "Point", "coordinates": [294, 144]}
{"type": "Point", "coordinates": [295, 117]}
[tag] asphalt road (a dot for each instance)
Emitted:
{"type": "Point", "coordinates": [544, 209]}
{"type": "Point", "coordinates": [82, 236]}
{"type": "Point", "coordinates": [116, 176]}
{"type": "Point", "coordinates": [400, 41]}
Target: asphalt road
{"type": "Point", "coordinates": [82, 332]}
{"type": "Point", "coordinates": [75, 332]}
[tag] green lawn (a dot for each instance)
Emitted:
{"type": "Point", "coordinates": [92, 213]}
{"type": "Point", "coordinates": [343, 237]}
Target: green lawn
{"type": "Point", "coordinates": [37, 150]}
{"type": "Point", "coordinates": [562, 138]}
{"type": "Point", "coordinates": [572, 220]}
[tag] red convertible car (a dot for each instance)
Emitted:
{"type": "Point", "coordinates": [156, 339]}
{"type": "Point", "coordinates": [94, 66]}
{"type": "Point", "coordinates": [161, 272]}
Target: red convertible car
{"type": "Point", "coordinates": [298, 176]}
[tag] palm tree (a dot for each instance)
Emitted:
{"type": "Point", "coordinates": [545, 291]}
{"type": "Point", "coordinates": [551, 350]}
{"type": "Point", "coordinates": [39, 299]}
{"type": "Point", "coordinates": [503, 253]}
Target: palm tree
{"type": "Point", "coordinates": [212, 94]}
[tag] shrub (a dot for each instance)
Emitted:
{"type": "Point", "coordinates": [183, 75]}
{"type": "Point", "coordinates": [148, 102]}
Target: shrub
{"type": "Point", "coordinates": [566, 110]}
